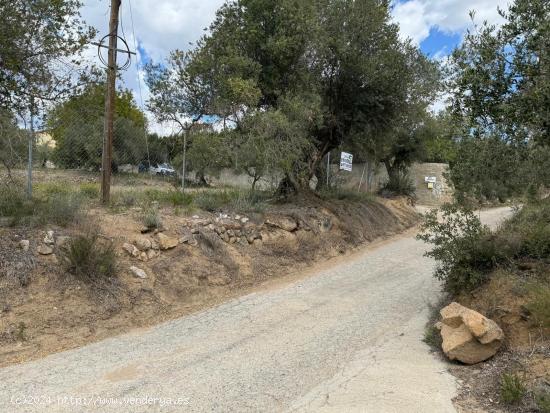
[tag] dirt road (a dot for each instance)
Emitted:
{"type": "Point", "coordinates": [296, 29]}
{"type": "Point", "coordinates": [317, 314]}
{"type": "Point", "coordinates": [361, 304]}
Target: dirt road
{"type": "Point", "coordinates": [345, 339]}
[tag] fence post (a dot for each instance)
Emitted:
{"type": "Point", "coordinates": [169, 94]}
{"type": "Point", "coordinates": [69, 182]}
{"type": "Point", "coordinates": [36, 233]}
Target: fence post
{"type": "Point", "coordinates": [328, 170]}
{"type": "Point", "coordinates": [183, 160]}
{"type": "Point", "coordinates": [31, 144]}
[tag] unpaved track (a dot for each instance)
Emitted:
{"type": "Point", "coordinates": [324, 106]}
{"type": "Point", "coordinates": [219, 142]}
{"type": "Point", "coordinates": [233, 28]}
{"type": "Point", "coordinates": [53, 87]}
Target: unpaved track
{"type": "Point", "coordinates": [346, 339]}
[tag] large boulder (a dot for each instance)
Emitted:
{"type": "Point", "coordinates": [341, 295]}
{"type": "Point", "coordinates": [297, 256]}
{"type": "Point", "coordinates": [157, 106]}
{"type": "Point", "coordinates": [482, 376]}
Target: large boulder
{"type": "Point", "coordinates": [467, 335]}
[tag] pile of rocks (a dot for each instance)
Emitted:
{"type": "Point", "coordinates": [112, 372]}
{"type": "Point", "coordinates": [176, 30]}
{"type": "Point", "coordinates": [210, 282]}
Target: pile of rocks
{"type": "Point", "coordinates": [48, 244]}
{"type": "Point", "coordinates": [232, 230]}
{"type": "Point", "coordinates": [467, 335]}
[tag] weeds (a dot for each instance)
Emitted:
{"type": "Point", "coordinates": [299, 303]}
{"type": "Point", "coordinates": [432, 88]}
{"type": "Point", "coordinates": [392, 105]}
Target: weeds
{"type": "Point", "coordinates": [212, 200]}
{"type": "Point", "coordinates": [89, 190]}
{"type": "Point", "coordinates": [543, 402]}
{"type": "Point", "coordinates": [432, 337]}
{"type": "Point", "coordinates": [90, 260]}
{"type": "Point", "coordinates": [58, 207]}
{"type": "Point", "coordinates": [539, 305]}
{"type": "Point", "coordinates": [20, 333]}
{"type": "Point", "coordinates": [512, 389]}
{"type": "Point", "coordinates": [151, 218]}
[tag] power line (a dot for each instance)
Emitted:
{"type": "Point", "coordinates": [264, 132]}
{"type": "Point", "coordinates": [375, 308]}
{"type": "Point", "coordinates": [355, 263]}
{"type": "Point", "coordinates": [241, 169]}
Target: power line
{"type": "Point", "coordinates": [139, 80]}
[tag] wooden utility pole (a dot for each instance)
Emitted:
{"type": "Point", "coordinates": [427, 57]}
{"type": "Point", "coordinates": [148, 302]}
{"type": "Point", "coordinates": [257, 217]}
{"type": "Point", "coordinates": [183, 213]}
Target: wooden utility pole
{"type": "Point", "coordinates": [109, 104]}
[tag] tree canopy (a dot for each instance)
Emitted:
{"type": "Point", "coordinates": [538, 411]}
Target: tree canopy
{"type": "Point", "coordinates": [342, 63]}
{"type": "Point", "coordinates": [500, 81]}
{"type": "Point", "coordinates": [40, 41]}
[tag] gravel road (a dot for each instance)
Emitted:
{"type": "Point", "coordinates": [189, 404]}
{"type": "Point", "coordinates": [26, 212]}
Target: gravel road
{"type": "Point", "coordinates": [346, 338]}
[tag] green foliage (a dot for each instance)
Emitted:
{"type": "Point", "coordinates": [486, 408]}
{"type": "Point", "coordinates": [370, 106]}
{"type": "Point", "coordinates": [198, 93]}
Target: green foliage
{"type": "Point", "coordinates": [13, 142]}
{"type": "Point", "coordinates": [432, 337]}
{"type": "Point", "coordinates": [41, 42]}
{"type": "Point", "coordinates": [467, 252]}
{"type": "Point", "coordinates": [512, 388]}
{"type": "Point", "coordinates": [212, 201]}
{"type": "Point", "coordinates": [13, 202]}
{"type": "Point", "coordinates": [77, 127]}
{"type": "Point", "coordinates": [207, 155]}
{"type": "Point", "coordinates": [233, 199]}
{"type": "Point", "coordinates": [177, 198]}
{"type": "Point", "coordinates": [539, 304]}
{"type": "Point", "coordinates": [89, 190]}
{"type": "Point", "coordinates": [500, 99]}
{"type": "Point", "coordinates": [543, 402]}
{"type": "Point", "coordinates": [90, 259]}
{"type": "Point", "coordinates": [298, 79]}
{"type": "Point", "coordinates": [461, 246]}
{"type": "Point", "coordinates": [399, 183]}
{"type": "Point", "coordinates": [492, 169]}
{"type": "Point", "coordinates": [249, 201]}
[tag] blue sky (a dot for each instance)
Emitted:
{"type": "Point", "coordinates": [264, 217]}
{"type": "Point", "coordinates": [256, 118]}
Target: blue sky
{"type": "Point", "coordinates": [160, 26]}
{"type": "Point", "coordinates": [439, 44]}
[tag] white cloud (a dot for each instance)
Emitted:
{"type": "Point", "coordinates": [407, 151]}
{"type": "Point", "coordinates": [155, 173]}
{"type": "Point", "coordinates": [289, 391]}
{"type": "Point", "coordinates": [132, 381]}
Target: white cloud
{"type": "Point", "coordinates": [160, 26]}
{"type": "Point", "coordinates": [164, 25]}
{"type": "Point", "coordinates": [417, 17]}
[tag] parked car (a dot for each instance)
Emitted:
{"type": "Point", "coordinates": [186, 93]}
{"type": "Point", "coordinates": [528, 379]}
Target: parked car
{"type": "Point", "coordinates": [162, 169]}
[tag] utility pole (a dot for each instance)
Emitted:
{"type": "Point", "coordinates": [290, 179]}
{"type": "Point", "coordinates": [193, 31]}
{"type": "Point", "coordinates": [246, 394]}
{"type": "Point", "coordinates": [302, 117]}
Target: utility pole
{"type": "Point", "coordinates": [109, 104]}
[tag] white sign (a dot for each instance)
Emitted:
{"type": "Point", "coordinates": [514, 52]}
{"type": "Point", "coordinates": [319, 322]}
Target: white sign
{"type": "Point", "coordinates": [430, 179]}
{"type": "Point", "coordinates": [346, 161]}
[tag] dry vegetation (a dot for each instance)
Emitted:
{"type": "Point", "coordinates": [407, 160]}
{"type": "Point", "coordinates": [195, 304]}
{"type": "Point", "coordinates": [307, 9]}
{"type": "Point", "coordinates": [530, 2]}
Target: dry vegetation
{"type": "Point", "coordinates": [85, 291]}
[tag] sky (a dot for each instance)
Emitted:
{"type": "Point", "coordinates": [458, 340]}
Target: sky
{"type": "Point", "coordinates": [160, 26]}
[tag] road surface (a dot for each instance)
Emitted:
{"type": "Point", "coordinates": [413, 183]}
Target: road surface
{"type": "Point", "coordinates": [344, 339]}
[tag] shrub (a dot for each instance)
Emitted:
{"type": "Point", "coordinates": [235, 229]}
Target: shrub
{"type": "Point", "coordinates": [14, 202]}
{"type": "Point", "coordinates": [464, 249]}
{"type": "Point", "coordinates": [399, 183]}
{"type": "Point", "coordinates": [151, 218]}
{"type": "Point", "coordinates": [512, 389]}
{"type": "Point", "coordinates": [90, 260]}
{"type": "Point", "coordinates": [59, 210]}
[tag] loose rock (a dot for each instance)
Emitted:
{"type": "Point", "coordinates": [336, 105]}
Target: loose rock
{"type": "Point", "coordinates": [166, 242]}
{"type": "Point", "coordinates": [468, 336]}
{"type": "Point", "coordinates": [49, 238]}
{"type": "Point", "coordinates": [138, 272]}
{"type": "Point", "coordinates": [24, 244]}
{"type": "Point", "coordinates": [282, 222]}
{"type": "Point", "coordinates": [143, 244]}
{"type": "Point", "coordinates": [44, 250]}
{"type": "Point", "coordinates": [131, 249]}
